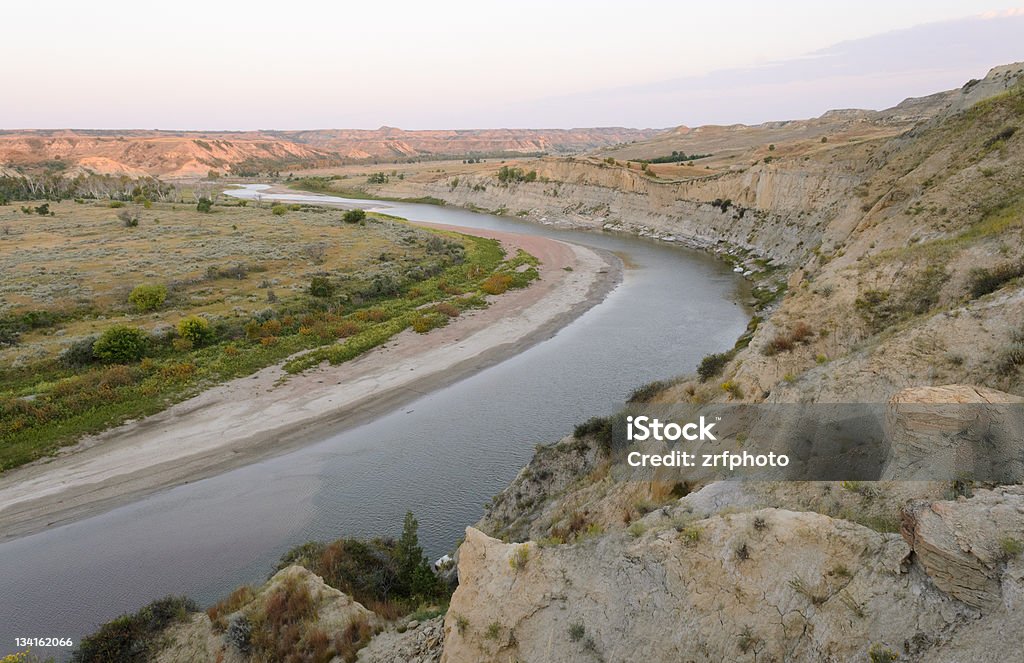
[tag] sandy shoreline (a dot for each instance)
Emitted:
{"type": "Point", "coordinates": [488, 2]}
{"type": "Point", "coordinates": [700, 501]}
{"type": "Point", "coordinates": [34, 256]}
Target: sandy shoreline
{"type": "Point", "coordinates": [255, 417]}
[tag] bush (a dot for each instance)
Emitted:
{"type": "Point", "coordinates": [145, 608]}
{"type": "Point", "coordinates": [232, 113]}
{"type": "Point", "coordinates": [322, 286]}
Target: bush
{"type": "Point", "coordinates": [79, 353]}
{"type": "Point", "coordinates": [194, 329]}
{"type": "Point", "coordinates": [496, 284]}
{"type": "Point", "coordinates": [982, 281]}
{"type": "Point", "coordinates": [114, 204]}
{"type": "Point", "coordinates": [801, 332]}
{"type": "Point", "coordinates": [279, 210]}
{"type": "Point", "coordinates": [148, 297]}
{"type": "Point", "coordinates": [204, 205]}
{"type": "Point", "coordinates": [600, 428]}
{"type": "Point", "coordinates": [354, 216]}
{"type": "Point", "coordinates": [421, 324]}
{"type": "Point", "coordinates": [120, 345]}
{"type": "Point", "coordinates": [712, 365]}
{"type": "Point", "coordinates": [134, 638]}
{"type": "Point", "coordinates": [733, 389]}
{"type": "Point", "coordinates": [380, 573]}
{"type": "Point", "coordinates": [647, 392]}
{"type": "Point", "coordinates": [321, 286]}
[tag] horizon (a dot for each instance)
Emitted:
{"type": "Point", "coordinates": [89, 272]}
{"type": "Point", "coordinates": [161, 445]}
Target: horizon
{"type": "Point", "coordinates": [571, 74]}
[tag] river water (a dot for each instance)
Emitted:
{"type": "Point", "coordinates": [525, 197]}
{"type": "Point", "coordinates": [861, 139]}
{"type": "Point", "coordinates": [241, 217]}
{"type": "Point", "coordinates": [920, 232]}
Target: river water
{"type": "Point", "coordinates": [442, 456]}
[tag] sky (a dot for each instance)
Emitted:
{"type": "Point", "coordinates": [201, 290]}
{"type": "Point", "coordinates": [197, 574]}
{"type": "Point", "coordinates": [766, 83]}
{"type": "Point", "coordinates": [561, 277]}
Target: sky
{"type": "Point", "coordinates": [225, 65]}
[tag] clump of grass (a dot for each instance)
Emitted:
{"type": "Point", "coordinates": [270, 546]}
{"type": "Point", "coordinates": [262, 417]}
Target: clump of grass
{"type": "Point", "coordinates": [219, 611]}
{"type": "Point", "coordinates": [879, 653]}
{"type": "Point", "coordinates": [637, 529]}
{"type": "Point", "coordinates": [747, 640]}
{"type": "Point", "coordinates": [520, 557]}
{"type": "Point", "coordinates": [732, 388]}
{"type": "Point", "coordinates": [576, 631]}
{"type": "Point", "coordinates": [690, 535]}
{"type": "Point", "coordinates": [1010, 547]}
{"type": "Point", "coordinates": [982, 280]}
{"type": "Point", "coordinates": [786, 341]}
{"type": "Point", "coordinates": [712, 365]}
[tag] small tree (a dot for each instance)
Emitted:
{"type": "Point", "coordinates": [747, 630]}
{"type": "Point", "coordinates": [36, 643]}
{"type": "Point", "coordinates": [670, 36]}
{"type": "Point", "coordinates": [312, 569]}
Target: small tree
{"type": "Point", "coordinates": [148, 297]}
{"type": "Point", "coordinates": [120, 345]}
{"type": "Point", "coordinates": [204, 205]}
{"type": "Point", "coordinates": [354, 216]}
{"type": "Point", "coordinates": [413, 569]}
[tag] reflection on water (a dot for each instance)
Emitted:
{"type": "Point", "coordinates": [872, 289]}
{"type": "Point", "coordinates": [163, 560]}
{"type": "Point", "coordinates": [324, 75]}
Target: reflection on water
{"type": "Point", "coordinates": [443, 455]}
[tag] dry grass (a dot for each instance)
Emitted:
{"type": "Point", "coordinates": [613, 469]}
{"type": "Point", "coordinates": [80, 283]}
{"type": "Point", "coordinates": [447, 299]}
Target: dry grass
{"type": "Point", "coordinates": [84, 261]}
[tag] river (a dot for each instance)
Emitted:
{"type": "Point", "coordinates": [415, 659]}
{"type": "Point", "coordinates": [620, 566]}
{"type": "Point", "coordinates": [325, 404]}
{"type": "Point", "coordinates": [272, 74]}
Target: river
{"type": "Point", "coordinates": [442, 456]}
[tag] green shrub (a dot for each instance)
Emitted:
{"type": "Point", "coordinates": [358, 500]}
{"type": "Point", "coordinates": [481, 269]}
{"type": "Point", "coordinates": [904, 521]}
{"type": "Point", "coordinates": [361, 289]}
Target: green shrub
{"type": "Point", "coordinates": [732, 388]}
{"type": "Point", "coordinates": [374, 572]}
{"type": "Point", "coordinates": [647, 392]}
{"type": "Point", "coordinates": [876, 309]}
{"type": "Point", "coordinates": [114, 204]}
{"type": "Point", "coordinates": [194, 329]}
{"type": "Point", "coordinates": [148, 297]}
{"type": "Point", "coordinates": [712, 365]}
{"type": "Point", "coordinates": [982, 281]}
{"type": "Point", "coordinates": [1010, 547]}
{"type": "Point", "coordinates": [79, 353]}
{"type": "Point", "coordinates": [354, 216]}
{"type": "Point", "coordinates": [134, 638]}
{"type": "Point", "coordinates": [422, 324]}
{"type": "Point", "coordinates": [879, 653]}
{"type": "Point", "coordinates": [120, 345]}
{"type": "Point", "coordinates": [520, 557]}
{"type": "Point", "coordinates": [321, 286]}
{"type": "Point", "coordinates": [204, 205]}
{"type": "Point", "coordinates": [576, 630]}
{"type": "Point", "coordinates": [279, 210]}
{"type": "Point", "coordinates": [600, 428]}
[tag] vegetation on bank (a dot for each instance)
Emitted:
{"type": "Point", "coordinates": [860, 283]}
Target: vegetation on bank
{"type": "Point", "coordinates": [134, 638]}
{"type": "Point", "coordinates": [130, 368]}
{"type": "Point", "coordinates": [280, 622]}
{"type": "Point", "coordinates": [327, 185]}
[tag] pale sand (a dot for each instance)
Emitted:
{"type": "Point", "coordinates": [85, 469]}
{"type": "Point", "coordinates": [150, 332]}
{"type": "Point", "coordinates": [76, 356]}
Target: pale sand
{"type": "Point", "coordinates": [255, 417]}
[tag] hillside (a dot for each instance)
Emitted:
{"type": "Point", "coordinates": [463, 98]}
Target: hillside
{"type": "Point", "coordinates": [170, 154]}
{"type": "Point", "coordinates": [886, 252]}
{"type": "Point", "coordinates": [887, 269]}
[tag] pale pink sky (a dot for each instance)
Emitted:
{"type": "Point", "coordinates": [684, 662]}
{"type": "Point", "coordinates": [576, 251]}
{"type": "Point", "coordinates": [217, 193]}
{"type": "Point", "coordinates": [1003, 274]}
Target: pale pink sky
{"type": "Point", "coordinates": [248, 65]}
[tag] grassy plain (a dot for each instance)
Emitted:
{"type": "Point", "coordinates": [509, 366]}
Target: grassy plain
{"type": "Point", "coordinates": [264, 286]}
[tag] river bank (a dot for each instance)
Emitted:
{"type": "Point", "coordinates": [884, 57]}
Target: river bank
{"type": "Point", "coordinates": [270, 412]}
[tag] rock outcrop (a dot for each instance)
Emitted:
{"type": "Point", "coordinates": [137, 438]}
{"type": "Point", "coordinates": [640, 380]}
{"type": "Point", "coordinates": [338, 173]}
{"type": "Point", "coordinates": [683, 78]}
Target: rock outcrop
{"type": "Point", "coordinates": [955, 431]}
{"type": "Point", "coordinates": [293, 611]}
{"type": "Point", "coordinates": [964, 545]}
{"type": "Point", "coordinates": [768, 584]}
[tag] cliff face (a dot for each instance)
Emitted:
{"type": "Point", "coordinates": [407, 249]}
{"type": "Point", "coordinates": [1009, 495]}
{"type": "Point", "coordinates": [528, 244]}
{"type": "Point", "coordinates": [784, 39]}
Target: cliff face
{"type": "Point", "coordinates": [767, 584]}
{"type": "Point", "coordinates": [900, 245]}
{"type": "Point", "coordinates": [903, 255]}
{"type": "Point", "coordinates": [777, 212]}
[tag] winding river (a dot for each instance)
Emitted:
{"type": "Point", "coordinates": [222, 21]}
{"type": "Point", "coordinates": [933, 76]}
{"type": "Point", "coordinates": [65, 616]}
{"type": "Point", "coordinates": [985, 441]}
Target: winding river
{"type": "Point", "coordinates": [442, 456]}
